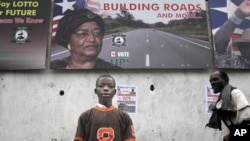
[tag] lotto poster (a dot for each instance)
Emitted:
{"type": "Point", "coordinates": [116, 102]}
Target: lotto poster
{"type": "Point", "coordinates": [140, 34]}
{"type": "Point", "coordinates": [231, 34]}
{"type": "Point", "coordinates": [24, 26]}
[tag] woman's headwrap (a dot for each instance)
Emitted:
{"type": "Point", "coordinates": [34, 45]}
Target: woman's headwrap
{"type": "Point", "coordinates": [72, 20]}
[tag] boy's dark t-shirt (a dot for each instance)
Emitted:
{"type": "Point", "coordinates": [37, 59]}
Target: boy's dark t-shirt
{"type": "Point", "coordinates": [97, 124]}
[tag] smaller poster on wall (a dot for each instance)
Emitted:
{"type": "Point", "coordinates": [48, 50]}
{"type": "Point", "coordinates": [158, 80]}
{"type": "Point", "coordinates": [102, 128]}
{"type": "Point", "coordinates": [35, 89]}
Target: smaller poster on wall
{"type": "Point", "coordinates": [211, 99]}
{"type": "Point", "coordinates": [24, 32]}
{"type": "Point", "coordinates": [230, 21]}
{"type": "Point", "coordinates": [126, 98]}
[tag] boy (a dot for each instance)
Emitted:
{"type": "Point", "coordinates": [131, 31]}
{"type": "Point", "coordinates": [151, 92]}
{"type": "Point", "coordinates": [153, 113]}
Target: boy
{"type": "Point", "coordinates": [105, 122]}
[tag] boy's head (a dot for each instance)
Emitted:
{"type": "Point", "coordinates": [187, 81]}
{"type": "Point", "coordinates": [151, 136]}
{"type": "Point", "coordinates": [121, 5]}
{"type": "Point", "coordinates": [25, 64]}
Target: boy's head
{"type": "Point", "coordinates": [105, 87]}
{"type": "Point", "coordinates": [105, 75]}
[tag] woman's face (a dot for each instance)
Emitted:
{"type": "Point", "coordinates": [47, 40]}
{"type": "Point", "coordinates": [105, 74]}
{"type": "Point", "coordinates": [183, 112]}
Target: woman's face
{"type": "Point", "coordinates": [86, 41]}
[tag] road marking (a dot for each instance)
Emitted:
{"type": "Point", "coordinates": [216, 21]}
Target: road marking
{"type": "Point", "coordinates": [187, 65]}
{"type": "Point", "coordinates": [147, 40]}
{"type": "Point", "coordinates": [147, 55]}
{"type": "Point", "coordinates": [147, 60]}
{"type": "Point", "coordinates": [52, 55]}
{"type": "Point", "coordinates": [187, 40]}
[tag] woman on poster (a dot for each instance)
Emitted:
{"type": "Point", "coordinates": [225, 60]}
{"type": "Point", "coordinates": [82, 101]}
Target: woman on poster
{"type": "Point", "coordinates": [81, 32]}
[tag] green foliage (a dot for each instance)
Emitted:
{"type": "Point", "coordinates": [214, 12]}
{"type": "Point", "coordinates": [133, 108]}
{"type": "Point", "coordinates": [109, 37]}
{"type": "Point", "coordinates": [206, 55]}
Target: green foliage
{"type": "Point", "coordinates": [119, 29]}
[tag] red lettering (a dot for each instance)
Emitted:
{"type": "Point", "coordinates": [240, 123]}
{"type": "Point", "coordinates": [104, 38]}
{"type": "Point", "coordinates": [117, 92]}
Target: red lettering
{"type": "Point", "coordinates": [175, 7]}
{"type": "Point", "coordinates": [182, 7]}
{"type": "Point", "coordinates": [131, 6]}
{"type": "Point", "coordinates": [106, 6]}
{"type": "Point", "coordinates": [166, 7]}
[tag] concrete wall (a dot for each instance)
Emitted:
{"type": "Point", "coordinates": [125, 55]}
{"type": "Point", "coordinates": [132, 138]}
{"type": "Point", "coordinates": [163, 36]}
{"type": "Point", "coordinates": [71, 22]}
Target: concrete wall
{"type": "Point", "coordinates": [45, 105]}
{"type": "Point", "coordinates": [33, 109]}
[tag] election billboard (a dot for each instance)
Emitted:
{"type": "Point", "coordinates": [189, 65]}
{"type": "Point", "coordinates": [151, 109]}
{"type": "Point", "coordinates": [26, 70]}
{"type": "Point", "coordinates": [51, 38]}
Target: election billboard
{"type": "Point", "coordinates": [139, 34]}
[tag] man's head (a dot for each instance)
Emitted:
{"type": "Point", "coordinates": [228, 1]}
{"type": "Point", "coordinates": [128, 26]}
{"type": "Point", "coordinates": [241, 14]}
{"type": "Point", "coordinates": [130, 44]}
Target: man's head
{"type": "Point", "coordinates": [218, 80]}
{"type": "Point", "coordinates": [105, 88]}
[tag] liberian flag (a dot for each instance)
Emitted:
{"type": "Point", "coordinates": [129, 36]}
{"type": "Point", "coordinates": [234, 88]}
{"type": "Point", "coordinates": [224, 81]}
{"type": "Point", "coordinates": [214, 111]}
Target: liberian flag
{"type": "Point", "coordinates": [220, 11]}
{"type": "Point", "coordinates": [63, 6]}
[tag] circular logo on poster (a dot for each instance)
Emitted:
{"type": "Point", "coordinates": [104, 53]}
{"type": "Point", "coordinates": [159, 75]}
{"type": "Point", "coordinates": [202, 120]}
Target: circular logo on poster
{"type": "Point", "coordinates": [21, 35]}
{"type": "Point", "coordinates": [119, 40]}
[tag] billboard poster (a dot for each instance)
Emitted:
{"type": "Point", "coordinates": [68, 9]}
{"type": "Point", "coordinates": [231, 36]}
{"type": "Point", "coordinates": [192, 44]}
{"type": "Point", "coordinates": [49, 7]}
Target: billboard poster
{"type": "Point", "coordinates": [230, 21]}
{"type": "Point", "coordinates": [139, 34]}
{"type": "Point", "coordinates": [126, 98]}
{"type": "Point", "coordinates": [24, 27]}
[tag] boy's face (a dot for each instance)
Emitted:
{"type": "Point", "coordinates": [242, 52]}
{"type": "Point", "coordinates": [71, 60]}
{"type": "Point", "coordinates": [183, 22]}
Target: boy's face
{"type": "Point", "coordinates": [105, 88]}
